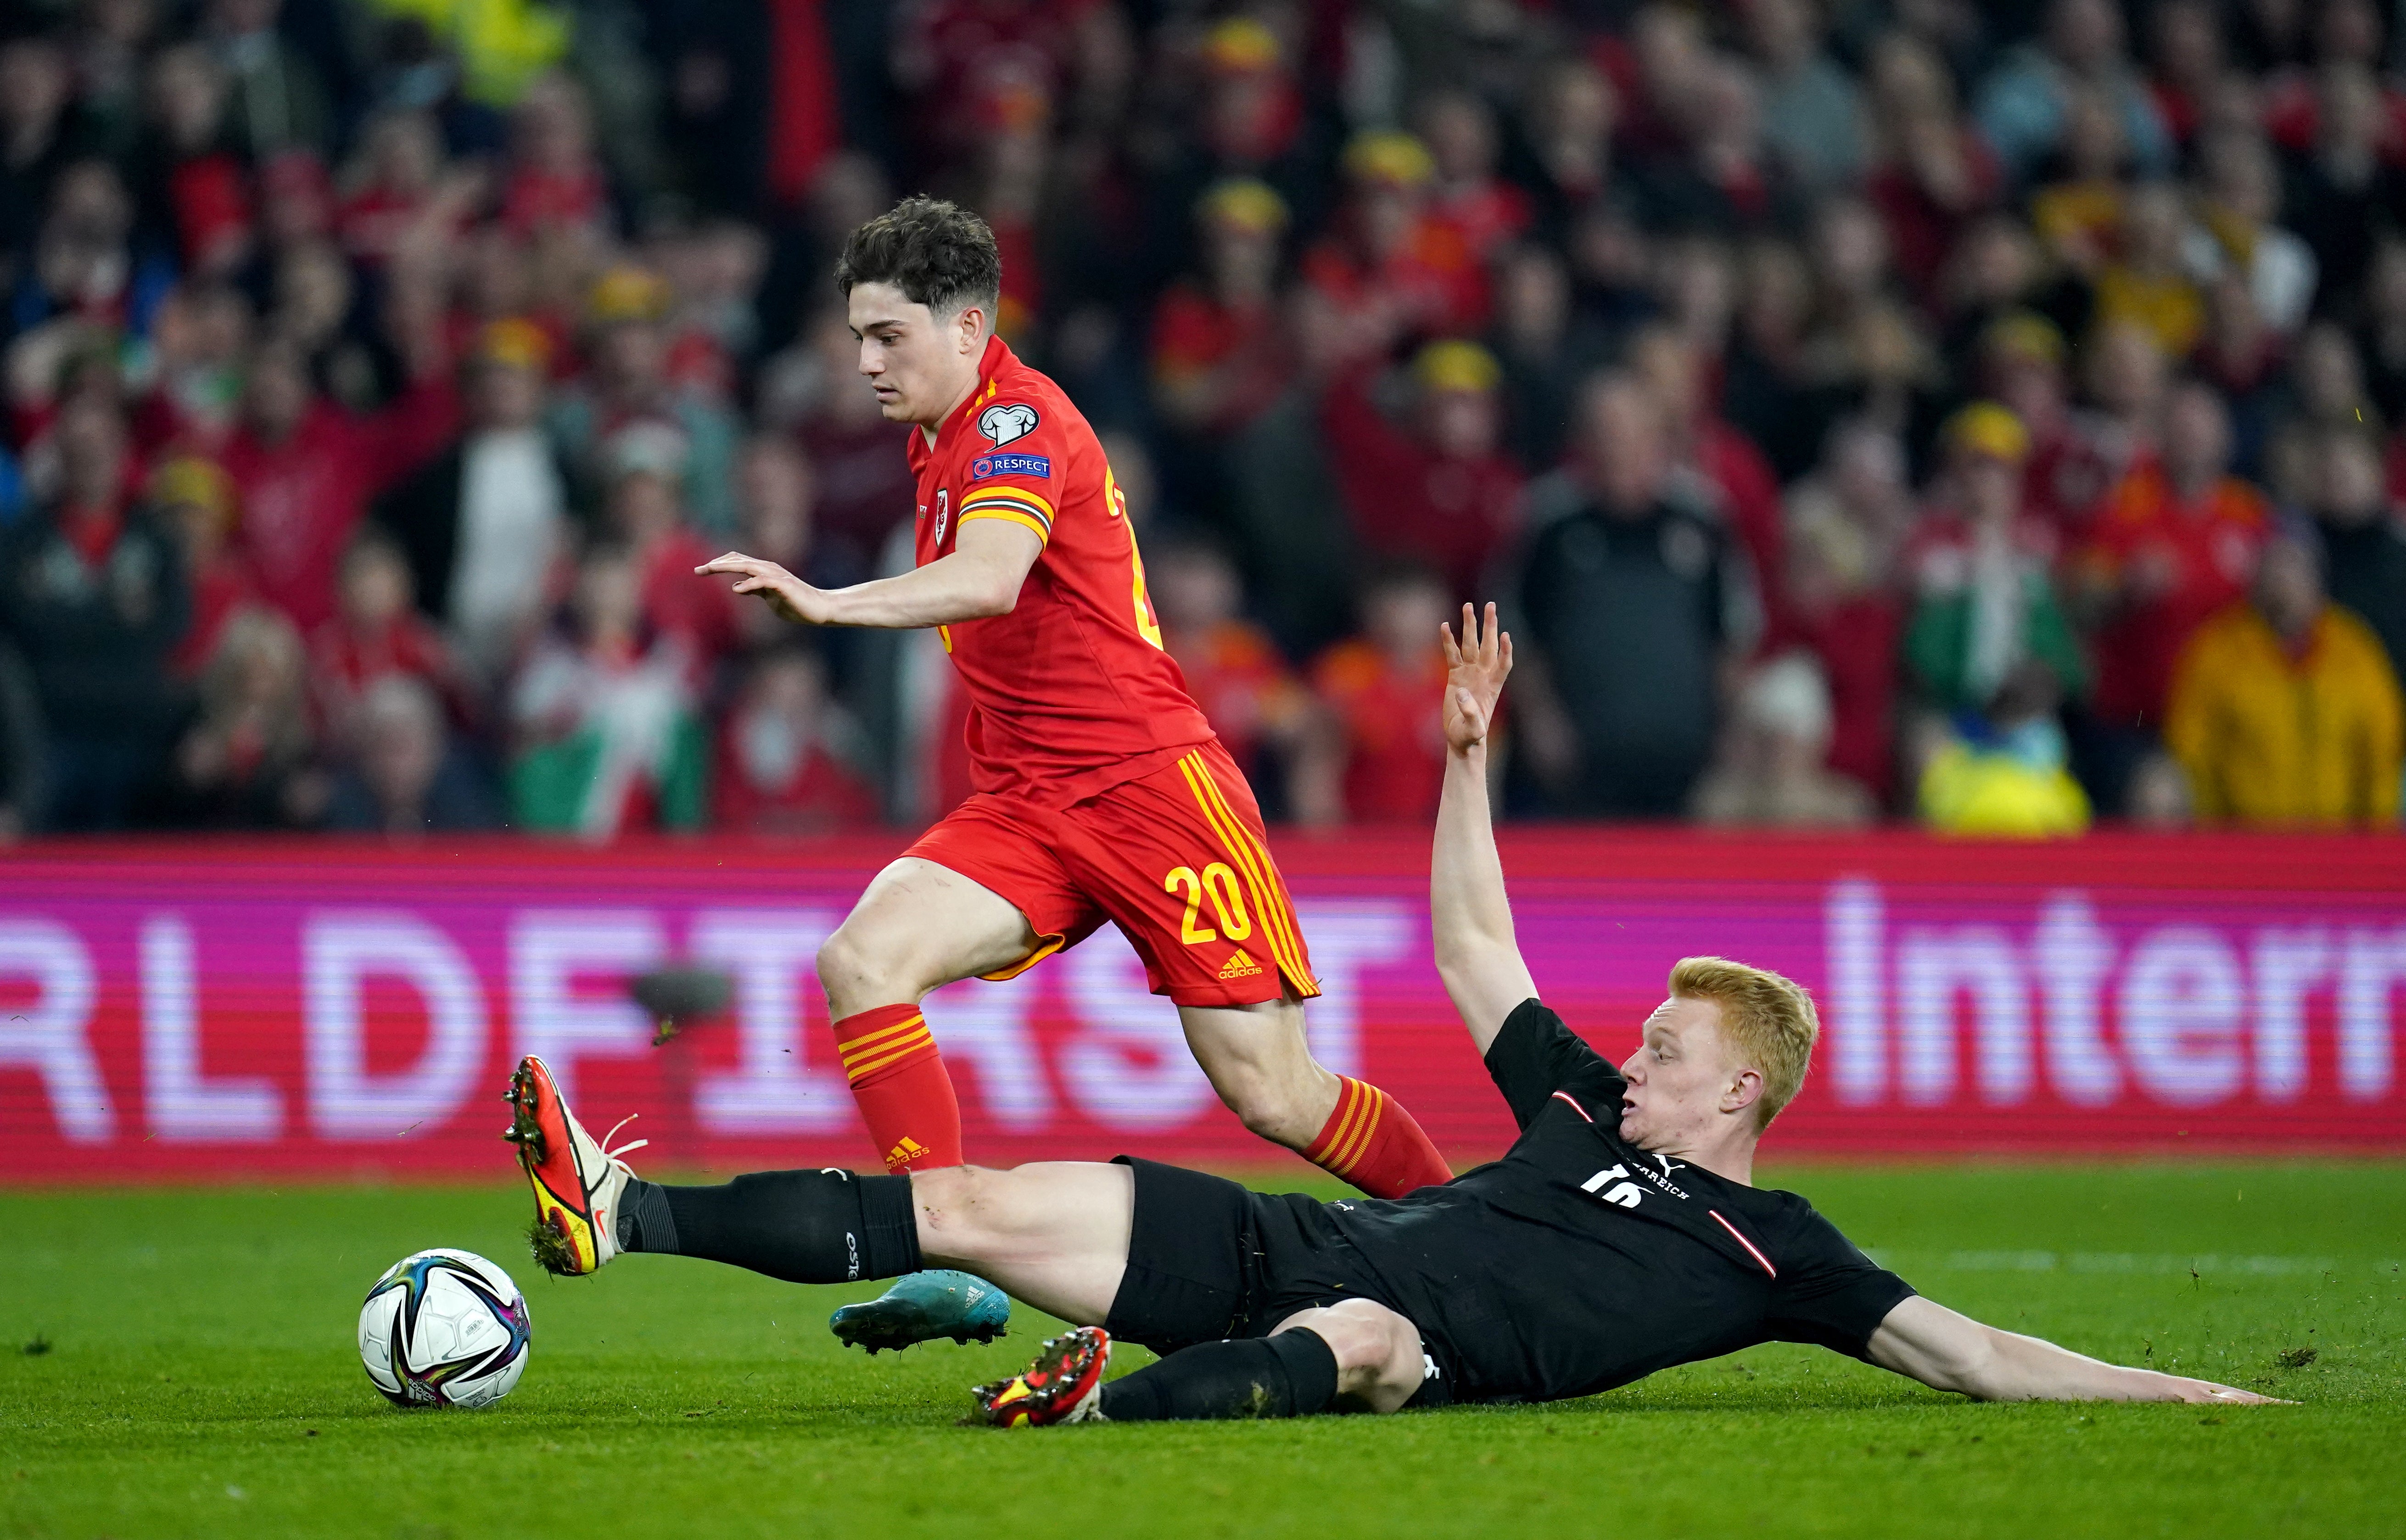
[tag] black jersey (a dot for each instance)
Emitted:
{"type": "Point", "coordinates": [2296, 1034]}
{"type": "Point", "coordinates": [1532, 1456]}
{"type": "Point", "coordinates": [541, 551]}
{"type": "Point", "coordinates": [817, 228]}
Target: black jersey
{"type": "Point", "coordinates": [1578, 1262]}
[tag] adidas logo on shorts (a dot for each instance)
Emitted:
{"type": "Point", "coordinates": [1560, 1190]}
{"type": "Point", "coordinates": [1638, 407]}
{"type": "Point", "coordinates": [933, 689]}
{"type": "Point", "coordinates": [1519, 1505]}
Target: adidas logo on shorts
{"type": "Point", "coordinates": [1239, 965]}
{"type": "Point", "coordinates": [909, 1149]}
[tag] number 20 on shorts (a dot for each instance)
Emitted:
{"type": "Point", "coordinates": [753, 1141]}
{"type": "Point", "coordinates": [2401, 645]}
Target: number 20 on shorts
{"type": "Point", "coordinates": [1219, 884]}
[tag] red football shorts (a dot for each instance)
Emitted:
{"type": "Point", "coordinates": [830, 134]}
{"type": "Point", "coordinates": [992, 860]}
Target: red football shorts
{"type": "Point", "coordinates": [1175, 858]}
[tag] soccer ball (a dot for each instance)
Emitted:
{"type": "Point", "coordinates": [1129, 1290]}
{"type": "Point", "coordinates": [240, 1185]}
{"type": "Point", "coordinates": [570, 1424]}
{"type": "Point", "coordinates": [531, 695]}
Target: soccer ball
{"type": "Point", "coordinates": [443, 1328]}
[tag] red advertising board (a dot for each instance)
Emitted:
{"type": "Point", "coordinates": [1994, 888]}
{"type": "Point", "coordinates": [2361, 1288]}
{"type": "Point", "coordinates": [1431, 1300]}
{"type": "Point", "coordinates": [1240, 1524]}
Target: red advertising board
{"type": "Point", "coordinates": [221, 1010]}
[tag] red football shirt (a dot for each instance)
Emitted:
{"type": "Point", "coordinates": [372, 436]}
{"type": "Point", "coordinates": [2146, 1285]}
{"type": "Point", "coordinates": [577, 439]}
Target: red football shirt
{"type": "Point", "coordinates": [1070, 693]}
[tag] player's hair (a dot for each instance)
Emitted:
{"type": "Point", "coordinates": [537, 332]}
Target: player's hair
{"type": "Point", "coordinates": [1768, 1020]}
{"type": "Point", "coordinates": [937, 252]}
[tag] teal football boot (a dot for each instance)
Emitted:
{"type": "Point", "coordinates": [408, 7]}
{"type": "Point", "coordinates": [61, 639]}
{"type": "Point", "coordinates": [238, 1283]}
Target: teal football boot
{"type": "Point", "coordinates": [922, 1306]}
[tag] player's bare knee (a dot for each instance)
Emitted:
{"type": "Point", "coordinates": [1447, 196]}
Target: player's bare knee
{"type": "Point", "coordinates": [1270, 1110]}
{"type": "Point", "coordinates": [855, 966]}
{"type": "Point", "coordinates": [1377, 1352]}
{"type": "Point", "coordinates": [956, 1209]}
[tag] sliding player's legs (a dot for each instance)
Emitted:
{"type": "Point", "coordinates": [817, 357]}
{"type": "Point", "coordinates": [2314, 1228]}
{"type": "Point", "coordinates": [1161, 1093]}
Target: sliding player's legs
{"type": "Point", "coordinates": [917, 927]}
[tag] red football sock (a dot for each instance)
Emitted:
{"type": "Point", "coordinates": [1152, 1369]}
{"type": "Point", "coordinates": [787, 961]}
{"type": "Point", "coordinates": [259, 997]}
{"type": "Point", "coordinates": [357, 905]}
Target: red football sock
{"type": "Point", "coordinates": [1373, 1143]}
{"type": "Point", "coordinates": [898, 1078]}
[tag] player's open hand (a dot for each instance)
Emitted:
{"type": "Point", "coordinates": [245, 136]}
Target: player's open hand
{"type": "Point", "coordinates": [789, 596]}
{"type": "Point", "coordinates": [1475, 668]}
{"type": "Point", "coordinates": [2205, 1392]}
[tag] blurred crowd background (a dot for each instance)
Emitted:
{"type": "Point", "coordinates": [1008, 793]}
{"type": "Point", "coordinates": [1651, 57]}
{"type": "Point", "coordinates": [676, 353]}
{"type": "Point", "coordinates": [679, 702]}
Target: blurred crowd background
{"type": "Point", "coordinates": [1983, 415]}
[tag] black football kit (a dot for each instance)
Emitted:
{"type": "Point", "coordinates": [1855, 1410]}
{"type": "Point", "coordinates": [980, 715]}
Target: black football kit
{"type": "Point", "coordinates": [1575, 1263]}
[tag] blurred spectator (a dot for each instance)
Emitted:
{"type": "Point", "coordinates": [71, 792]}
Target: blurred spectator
{"type": "Point", "coordinates": [605, 717]}
{"type": "Point", "coordinates": [2001, 772]}
{"type": "Point", "coordinates": [1439, 491]}
{"type": "Point", "coordinates": [84, 263]}
{"type": "Point", "coordinates": [36, 133]}
{"type": "Point", "coordinates": [2237, 230]}
{"type": "Point", "coordinates": [1236, 673]}
{"type": "Point", "coordinates": [279, 103]}
{"type": "Point", "coordinates": [195, 188]}
{"type": "Point", "coordinates": [1736, 479]}
{"type": "Point", "coordinates": [2363, 534]}
{"type": "Point", "coordinates": [1542, 350]}
{"type": "Point", "coordinates": [2079, 212]}
{"type": "Point", "coordinates": [92, 594]}
{"type": "Point", "coordinates": [2344, 193]}
{"type": "Point", "coordinates": [1813, 117]}
{"type": "Point", "coordinates": [2026, 100]}
{"type": "Point", "coordinates": [377, 632]}
{"type": "Point", "coordinates": [484, 523]}
{"type": "Point", "coordinates": [1380, 686]}
{"type": "Point", "coordinates": [305, 470]}
{"type": "Point", "coordinates": [1844, 526]}
{"type": "Point", "coordinates": [397, 185]}
{"type": "Point", "coordinates": [195, 500]}
{"type": "Point", "coordinates": [2174, 543]}
{"type": "Point", "coordinates": [2101, 441]}
{"type": "Point", "coordinates": [553, 182]}
{"type": "Point", "coordinates": [2145, 285]}
{"type": "Point", "coordinates": [1220, 352]}
{"type": "Point", "coordinates": [865, 488]}
{"type": "Point", "coordinates": [776, 492]}
{"type": "Point", "coordinates": [2285, 709]}
{"type": "Point", "coordinates": [406, 777]}
{"type": "Point", "coordinates": [1389, 270]}
{"type": "Point", "coordinates": [2187, 61]}
{"type": "Point", "coordinates": [1484, 211]}
{"type": "Point", "coordinates": [245, 762]}
{"type": "Point", "coordinates": [1629, 605]}
{"type": "Point", "coordinates": [1979, 565]}
{"type": "Point", "coordinates": [790, 758]}
{"type": "Point", "coordinates": [628, 385]}
{"type": "Point", "coordinates": [1931, 174]}
{"type": "Point", "coordinates": [1773, 769]}
{"type": "Point", "coordinates": [641, 510]}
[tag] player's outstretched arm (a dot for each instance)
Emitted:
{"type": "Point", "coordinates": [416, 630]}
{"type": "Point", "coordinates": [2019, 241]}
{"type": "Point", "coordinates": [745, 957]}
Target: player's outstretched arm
{"type": "Point", "coordinates": [1924, 1340]}
{"type": "Point", "coordinates": [1476, 955]}
{"type": "Point", "coordinates": [981, 576]}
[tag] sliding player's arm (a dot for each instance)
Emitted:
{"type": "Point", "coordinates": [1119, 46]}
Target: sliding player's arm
{"type": "Point", "coordinates": [980, 576]}
{"type": "Point", "coordinates": [1477, 954]}
{"type": "Point", "coordinates": [1946, 1351]}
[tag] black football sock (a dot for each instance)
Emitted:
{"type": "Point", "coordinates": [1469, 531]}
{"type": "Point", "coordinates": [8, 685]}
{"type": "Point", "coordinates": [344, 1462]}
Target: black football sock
{"type": "Point", "coordinates": [1292, 1373]}
{"type": "Point", "coordinates": [803, 1226]}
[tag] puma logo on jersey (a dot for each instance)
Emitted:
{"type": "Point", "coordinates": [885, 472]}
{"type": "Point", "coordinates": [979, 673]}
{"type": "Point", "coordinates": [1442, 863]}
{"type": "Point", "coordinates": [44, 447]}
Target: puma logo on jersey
{"type": "Point", "coordinates": [908, 1151]}
{"type": "Point", "coordinates": [1240, 964]}
{"type": "Point", "coordinates": [1007, 420]}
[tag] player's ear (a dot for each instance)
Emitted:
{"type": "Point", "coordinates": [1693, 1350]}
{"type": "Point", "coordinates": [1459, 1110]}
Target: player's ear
{"type": "Point", "coordinates": [1743, 1089]}
{"type": "Point", "coordinates": [972, 323]}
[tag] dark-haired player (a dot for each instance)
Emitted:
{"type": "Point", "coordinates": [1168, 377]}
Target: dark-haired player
{"type": "Point", "coordinates": [1101, 791]}
{"type": "Point", "coordinates": [1620, 1235]}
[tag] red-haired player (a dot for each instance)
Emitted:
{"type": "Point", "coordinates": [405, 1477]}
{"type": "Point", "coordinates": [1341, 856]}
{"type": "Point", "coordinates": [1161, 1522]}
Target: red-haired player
{"type": "Point", "coordinates": [1101, 791]}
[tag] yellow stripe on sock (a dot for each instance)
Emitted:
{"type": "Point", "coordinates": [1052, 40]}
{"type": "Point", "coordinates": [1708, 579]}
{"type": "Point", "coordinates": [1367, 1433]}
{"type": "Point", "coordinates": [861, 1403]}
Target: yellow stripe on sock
{"type": "Point", "coordinates": [907, 1024]}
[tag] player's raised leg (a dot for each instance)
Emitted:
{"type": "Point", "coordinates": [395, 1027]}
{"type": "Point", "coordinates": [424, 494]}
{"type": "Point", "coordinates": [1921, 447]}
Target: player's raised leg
{"type": "Point", "coordinates": [1258, 1061]}
{"type": "Point", "coordinates": [917, 927]}
{"type": "Point", "coordinates": [1179, 860]}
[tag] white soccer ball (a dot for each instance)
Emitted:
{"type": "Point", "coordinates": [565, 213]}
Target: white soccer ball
{"type": "Point", "coordinates": [443, 1328]}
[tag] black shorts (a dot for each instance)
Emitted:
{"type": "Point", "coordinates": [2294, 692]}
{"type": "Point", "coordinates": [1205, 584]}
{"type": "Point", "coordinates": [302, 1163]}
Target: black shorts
{"type": "Point", "coordinates": [1209, 1259]}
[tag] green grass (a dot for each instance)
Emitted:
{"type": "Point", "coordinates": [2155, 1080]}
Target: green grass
{"type": "Point", "coordinates": [200, 1379]}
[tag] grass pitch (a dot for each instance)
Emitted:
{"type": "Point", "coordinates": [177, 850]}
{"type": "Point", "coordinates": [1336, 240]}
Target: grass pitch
{"type": "Point", "coordinates": [180, 1363]}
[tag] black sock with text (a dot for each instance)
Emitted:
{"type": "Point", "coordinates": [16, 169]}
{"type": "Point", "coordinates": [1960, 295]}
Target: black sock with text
{"type": "Point", "coordinates": [801, 1227]}
{"type": "Point", "coordinates": [1292, 1373]}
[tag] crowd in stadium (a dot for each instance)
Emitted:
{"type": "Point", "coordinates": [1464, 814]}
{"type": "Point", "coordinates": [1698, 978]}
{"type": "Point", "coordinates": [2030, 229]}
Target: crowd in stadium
{"type": "Point", "coordinates": [1983, 415]}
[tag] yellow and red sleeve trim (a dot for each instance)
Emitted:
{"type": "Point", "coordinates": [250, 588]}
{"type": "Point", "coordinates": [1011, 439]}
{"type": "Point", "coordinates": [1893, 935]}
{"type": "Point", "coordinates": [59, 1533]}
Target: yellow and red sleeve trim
{"type": "Point", "coordinates": [1015, 504]}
